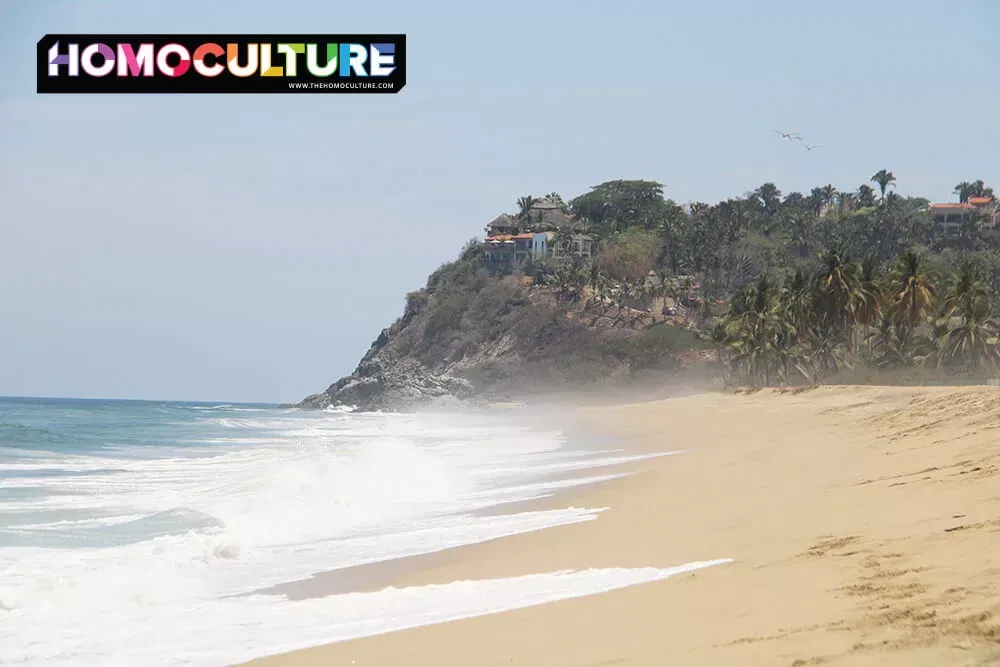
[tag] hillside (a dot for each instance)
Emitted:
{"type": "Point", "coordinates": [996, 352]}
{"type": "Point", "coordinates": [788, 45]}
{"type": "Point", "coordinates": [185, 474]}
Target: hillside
{"type": "Point", "coordinates": [469, 335]}
{"type": "Point", "coordinates": [621, 284]}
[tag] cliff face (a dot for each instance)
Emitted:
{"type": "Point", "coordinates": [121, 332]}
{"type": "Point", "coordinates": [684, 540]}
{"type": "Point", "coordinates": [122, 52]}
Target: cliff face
{"type": "Point", "coordinates": [471, 337]}
{"type": "Point", "coordinates": [388, 381]}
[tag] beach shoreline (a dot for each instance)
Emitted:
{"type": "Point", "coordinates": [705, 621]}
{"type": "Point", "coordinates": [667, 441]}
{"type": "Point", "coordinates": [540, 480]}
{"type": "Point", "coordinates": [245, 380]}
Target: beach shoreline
{"type": "Point", "coordinates": [860, 519]}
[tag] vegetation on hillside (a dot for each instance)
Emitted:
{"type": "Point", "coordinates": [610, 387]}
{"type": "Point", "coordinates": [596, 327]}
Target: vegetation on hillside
{"type": "Point", "coordinates": [787, 288]}
{"type": "Point", "coordinates": [504, 332]}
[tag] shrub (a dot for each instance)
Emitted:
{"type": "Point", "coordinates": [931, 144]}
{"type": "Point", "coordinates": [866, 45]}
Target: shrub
{"type": "Point", "coordinates": [631, 255]}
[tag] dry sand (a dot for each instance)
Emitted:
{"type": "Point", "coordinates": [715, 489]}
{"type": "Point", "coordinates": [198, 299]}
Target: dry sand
{"type": "Point", "coordinates": [864, 523]}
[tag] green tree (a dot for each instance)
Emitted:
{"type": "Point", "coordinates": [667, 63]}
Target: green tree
{"type": "Point", "coordinates": [759, 334]}
{"type": "Point", "coordinates": [963, 191]}
{"type": "Point", "coordinates": [966, 190]}
{"type": "Point", "coordinates": [562, 241]}
{"type": "Point", "coordinates": [524, 205]}
{"type": "Point", "coordinates": [913, 292]}
{"type": "Point", "coordinates": [866, 196]}
{"type": "Point", "coordinates": [871, 297]}
{"type": "Point", "coordinates": [800, 304]}
{"type": "Point", "coordinates": [617, 205]}
{"type": "Point", "coordinates": [980, 190]}
{"type": "Point", "coordinates": [769, 197]}
{"type": "Point", "coordinates": [845, 202]}
{"type": "Point", "coordinates": [630, 256]}
{"type": "Point", "coordinates": [884, 179]}
{"type": "Point", "coordinates": [968, 333]}
{"type": "Point", "coordinates": [828, 194]}
{"type": "Point", "coordinates": [838, 291]}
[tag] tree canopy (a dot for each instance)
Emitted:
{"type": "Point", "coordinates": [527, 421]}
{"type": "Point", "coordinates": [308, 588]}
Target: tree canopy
{"type": "Point", "coordinates": [618, 205]}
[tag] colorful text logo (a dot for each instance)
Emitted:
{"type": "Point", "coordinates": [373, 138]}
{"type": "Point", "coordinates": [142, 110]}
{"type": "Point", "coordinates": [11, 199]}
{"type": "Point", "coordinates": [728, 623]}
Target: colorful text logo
{"type": "Point", "coordinates": [221, 63]}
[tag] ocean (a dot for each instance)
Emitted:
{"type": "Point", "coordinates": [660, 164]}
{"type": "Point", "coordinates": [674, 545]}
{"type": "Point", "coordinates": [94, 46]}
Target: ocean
{"type": "Point", "coordinates": [146, 532]}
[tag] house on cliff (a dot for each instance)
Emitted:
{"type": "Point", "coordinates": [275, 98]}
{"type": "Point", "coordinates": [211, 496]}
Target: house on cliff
{"type": "Point", "coordinates": [545, 214]}
{"type": "Point", "coordinates": [951, 219]}
{"type": "Point", "coordinates": [544, 232]}
{"type": "Point", "coordinates": [507, 251]}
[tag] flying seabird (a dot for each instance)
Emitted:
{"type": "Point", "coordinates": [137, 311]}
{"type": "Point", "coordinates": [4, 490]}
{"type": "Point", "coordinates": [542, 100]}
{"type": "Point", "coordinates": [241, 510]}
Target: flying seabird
{"type": "Point", "coordinates": [788, 135]}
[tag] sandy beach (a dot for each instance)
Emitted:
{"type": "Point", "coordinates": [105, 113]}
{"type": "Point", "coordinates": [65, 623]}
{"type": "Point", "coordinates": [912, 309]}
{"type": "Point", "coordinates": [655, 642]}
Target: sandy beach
{"type": "Point", "coordinates": [863, 524]}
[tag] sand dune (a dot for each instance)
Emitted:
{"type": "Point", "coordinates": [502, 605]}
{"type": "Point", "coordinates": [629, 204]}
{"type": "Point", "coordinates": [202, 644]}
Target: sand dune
{"type": "Point", "coordinates": [864, 524]}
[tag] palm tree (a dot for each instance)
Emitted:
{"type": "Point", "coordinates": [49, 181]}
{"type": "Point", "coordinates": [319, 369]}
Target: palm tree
{"type": "Point", "coordinates": [562, 241]}
{"type": "Point", "coordinates": [829, 194]}
{"type": "Point", "coordinates": [555, 197]}
{"type": "Point", "coordinates": [797, 232]}
{"type": "Point", "coordinates": [969, 334]}
{"type": "Point", "coordinates": [967, 295]}
{"type": "Point", "coordinates": [884, 179]}
{"type": "Point", "coordinates": [569, 279]}
{"type": "Point", "coordinates": [838, 292]}
{"type": "Point", "coordinates": [871, 296]}
{"type": "Point", "coordinates": [971, 228]}
{"type": "Point", "coordinates": [963, 190]}
{"type": "Point", "coordinates": [845, 202]}
{"type": "Point", "coordinates": [760, 336]}
{"type": "Point", "coordinates": [974, 344]}
{"type": "Point", "coordinates": [799, 304]}
{"type": "Point", "coordinates": [794, 200]}
{"type": "Point", "coordinates": [815, 198]}
{"type": "Point", "coordinates": [524, 205]}
{"type": "Point", "coordinates": [866, 196]}
{"type": "Point", "coordinates": [885, 343]}
{"type": "Point", "coordinates": [983, 191]}
{"type": "Point", "coordinates": [769, 196]}
{"type": "Point", "coordinates": [913, 292]}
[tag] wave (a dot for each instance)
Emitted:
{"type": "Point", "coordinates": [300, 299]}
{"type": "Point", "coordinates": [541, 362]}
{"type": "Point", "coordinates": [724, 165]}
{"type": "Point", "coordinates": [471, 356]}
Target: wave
{"type": "Point", "coordinates": [163, 536]}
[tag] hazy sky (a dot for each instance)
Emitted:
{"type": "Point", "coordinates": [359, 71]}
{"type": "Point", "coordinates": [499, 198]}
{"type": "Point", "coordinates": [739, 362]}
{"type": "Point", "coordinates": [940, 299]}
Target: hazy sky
{"type": "Point", "coordinates": [252, 247]}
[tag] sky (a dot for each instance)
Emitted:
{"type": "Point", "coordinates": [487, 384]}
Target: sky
{"type": "Point", "coordinates": [251, 247]}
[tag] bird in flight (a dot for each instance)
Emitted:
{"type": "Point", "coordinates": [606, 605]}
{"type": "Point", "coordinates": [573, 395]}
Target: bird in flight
{"type": "Point", "coordinates": [788, 135]}
{"type": "Point", "coordinates": [808, 147]}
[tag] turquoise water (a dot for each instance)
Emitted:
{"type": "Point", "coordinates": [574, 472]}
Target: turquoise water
{"type": "Point", "coordinates": [48, 445]}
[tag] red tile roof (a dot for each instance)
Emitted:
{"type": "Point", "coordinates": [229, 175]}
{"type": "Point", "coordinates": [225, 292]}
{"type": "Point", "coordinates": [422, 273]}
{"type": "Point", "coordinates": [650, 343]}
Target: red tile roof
{"type": "Point", "coordinates": [949, 205]}
{"type": "Point", "coordinates": [980, 200]}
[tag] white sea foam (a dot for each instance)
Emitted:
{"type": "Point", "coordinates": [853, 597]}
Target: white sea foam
{"type": "Point", "coordinates": [259, 625]}
{"type": "Point", "coordinates": [132, 558]}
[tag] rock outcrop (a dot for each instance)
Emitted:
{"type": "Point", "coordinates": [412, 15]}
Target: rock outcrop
{"type": "Point", "coordinates": [382, 382]}
{"type": "Point", "coordinates": [470, 337]}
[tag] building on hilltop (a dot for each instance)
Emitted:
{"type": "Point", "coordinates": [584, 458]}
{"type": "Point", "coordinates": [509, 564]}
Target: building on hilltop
{"type": "Point", "coordinates": [545, 231]}
{"type": "Point", "coordinates": [581, 245]}
{"type": "Point", "coordinates": [507, 251]}
{"type": "Point", "coordinates": [503, 225]}
{"type": "Point", "coordinates": [952, 218]}
{"type": "Point", "coordinates": [510, 250]}
{"type": "Point", "coordinates": [546, 214]}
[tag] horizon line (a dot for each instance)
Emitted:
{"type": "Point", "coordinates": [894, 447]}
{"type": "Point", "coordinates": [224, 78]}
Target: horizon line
{"type": "Point", "coordinates": [138, 400]}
